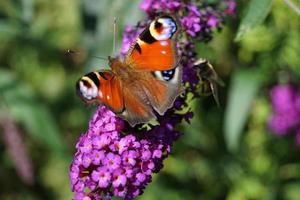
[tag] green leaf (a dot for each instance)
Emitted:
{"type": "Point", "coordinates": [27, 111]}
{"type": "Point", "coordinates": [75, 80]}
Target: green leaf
{"type": "Point", "coordinates": [6, 78]}
{"type": "Point", "coordinates": [125, 13]}
{"type": "Point", "coordinates": [243, 89]}
{"type": "Point", "coordinates": [8, 30]}
{"type": "Point", "coordinates": [33, 115]}
{"type": "Point", "coordinates": [39, 123]}
{"type": "Point", "coordinates": [256, 14]}
{"type": "Point", "coordinates": [291, 190]}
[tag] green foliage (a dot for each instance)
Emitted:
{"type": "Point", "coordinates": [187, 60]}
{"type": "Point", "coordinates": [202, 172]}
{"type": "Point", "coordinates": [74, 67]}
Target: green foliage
{"type": "Point", "coordinates": [226, 152]}
{"type": "Point", "coordinates": [25, 109]}
{"type": "Point", "coordinates": [244, 87]}
{"type": "Point", "coordinates": [256, 13]}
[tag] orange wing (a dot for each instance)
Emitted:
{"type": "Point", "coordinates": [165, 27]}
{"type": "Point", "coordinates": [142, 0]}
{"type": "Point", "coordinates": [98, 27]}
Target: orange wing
{"type": "Point", "coordinates": [137, 106]}
{"type": "Point", "coordinates": [153, 58]}
{"type": "Point", "coordinates": [150, 91]}
{"type": "Point", "coordinates": [155, 47]}
{"type": "Point", "coordinates": [101, 87]}
{"type": "Point", "coordinates": [162, 87]}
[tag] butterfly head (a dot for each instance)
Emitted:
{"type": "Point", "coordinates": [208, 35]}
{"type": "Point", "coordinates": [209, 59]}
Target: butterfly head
{"type": "Point", "coordinates": [163, 28]}
{"type": "Point", "coordinates": [111, 60]}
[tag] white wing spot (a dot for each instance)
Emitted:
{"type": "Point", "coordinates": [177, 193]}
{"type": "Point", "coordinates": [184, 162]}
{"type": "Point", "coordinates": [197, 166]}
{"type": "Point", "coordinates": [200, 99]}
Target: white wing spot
{"type": "Point", "coordinates": [88, 93]}
{"type": "Point", "coordinates": [164, 43]}
{"type": "Point", "coordinates": [100, 94]}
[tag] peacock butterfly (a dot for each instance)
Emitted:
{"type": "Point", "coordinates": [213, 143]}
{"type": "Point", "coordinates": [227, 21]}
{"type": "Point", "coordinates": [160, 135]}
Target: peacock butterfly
{"type": "Point", "coordinates": [148, 78]}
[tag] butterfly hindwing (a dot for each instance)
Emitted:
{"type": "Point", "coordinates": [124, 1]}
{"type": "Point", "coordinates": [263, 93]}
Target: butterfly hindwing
{"type": "Point", "coordinates": [157, 90]}
{"type": "Point", "coordinates": [137, 106]}
{"type": "Point", "coordinates": [162, 88]}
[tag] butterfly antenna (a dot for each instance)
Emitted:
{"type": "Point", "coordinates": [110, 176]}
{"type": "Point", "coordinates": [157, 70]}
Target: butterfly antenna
{"type": "Point", "coordinates": [114, 39]}
{"type": "Point", "coordinates": [72, 52]}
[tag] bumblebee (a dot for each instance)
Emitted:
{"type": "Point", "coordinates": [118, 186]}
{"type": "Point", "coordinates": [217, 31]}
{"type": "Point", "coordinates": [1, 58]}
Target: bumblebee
{"type": "Point", "coordinates": [209, 79]}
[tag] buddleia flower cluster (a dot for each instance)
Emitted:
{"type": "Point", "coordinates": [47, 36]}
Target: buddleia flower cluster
{"type": "Point", "coordinates": [285, 118]}
{"type": "Point", "coordinates": [108, 163]}
{"type": "Point", "coordinates": [114, 159]}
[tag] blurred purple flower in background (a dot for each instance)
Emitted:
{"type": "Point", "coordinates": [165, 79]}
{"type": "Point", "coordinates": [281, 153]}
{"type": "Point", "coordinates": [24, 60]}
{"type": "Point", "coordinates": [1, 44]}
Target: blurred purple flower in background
{"type": "Point", "coordinates": [150, 5]}
{"type": "Point", "coordinates": [110, 163]}
{"type": "Point", "coordinates": [129, 35]}
{"type": "Point", "coordinates": [231, 7]}
{"type": "Point", "coordinates": [286, 110]}
{"type": "Point", "coordinates": [191, 22]}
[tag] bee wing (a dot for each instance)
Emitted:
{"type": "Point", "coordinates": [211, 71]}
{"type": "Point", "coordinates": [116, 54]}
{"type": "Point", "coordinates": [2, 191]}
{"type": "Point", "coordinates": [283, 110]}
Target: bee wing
{"type": "Point", "coordinates": [209, 76]}
{"type": "Point", "coordinates": [214, 90]}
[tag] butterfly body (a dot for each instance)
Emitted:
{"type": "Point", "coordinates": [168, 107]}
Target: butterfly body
{"type": "Point", "coordinates": [147, 80]}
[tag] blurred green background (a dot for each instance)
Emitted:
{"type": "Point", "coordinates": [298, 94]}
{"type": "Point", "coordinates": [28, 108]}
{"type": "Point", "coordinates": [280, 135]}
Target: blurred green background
{"type": "Point", "coordinates": [226, 152]}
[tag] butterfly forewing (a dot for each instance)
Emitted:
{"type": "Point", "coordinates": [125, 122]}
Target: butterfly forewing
{"type": "Point", "coordinates": [154, 54]}
{"type": "Point", "coordinates": [155, 47]}
{"type": "Point", "coordinates": [103, 88]}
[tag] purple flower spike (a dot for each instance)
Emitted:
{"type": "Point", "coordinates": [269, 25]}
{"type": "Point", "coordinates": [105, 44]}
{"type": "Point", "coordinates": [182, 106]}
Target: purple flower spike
{"type": "Point", "coordinates": [117, 163]}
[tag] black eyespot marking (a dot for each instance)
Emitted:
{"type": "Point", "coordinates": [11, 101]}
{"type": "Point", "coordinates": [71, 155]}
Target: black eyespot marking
{"type": "Point", "coordinates": [94, 78]}
{"type": "Point", "coordinates": [168, 74]}
{"type": "Point", "coordinates": [138, 48]}
{"type": "Point", "coordinates": [147, 37]}
{"type": "Point", "coordinates": [157, 25]}
{"type": "Point", "coordinates": [102, 75]}
{"type": "Point", "coordinates": [85, 83]}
